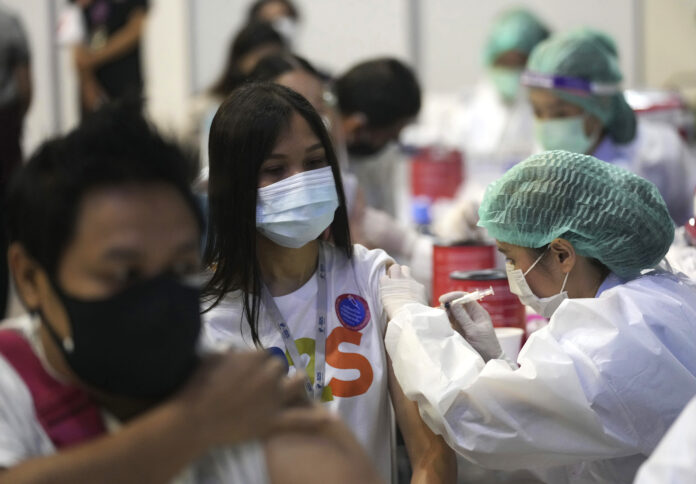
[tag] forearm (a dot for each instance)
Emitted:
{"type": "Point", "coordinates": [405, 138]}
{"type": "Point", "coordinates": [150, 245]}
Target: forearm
{"type": "Point", "coordinates": [436, 464]}
{"type": "Point", "coordinates": [122, 41]}
{"type": "Point", "coordinates": [151, 449]}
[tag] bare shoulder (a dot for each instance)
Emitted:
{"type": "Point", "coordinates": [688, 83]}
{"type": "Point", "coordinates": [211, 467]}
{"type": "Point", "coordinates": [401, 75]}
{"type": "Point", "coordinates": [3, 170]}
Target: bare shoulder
{"type": "Point", "coordinates": [307, 459]}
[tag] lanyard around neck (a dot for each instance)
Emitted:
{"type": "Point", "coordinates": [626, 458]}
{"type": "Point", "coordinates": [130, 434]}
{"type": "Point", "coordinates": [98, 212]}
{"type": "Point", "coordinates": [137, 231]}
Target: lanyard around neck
{"type": "Point", "coordinates": [313, 391]}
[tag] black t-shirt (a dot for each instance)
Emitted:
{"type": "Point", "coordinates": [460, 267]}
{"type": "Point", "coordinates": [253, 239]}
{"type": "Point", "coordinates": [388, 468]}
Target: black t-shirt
{"type": "Point", "coordinates": [104, 17]}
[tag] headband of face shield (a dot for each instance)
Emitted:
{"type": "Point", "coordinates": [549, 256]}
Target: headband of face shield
{"type": "Point", "coordinates": [545, 306]}
{"type": "Point", "coordinates": [296, 210]}
{"type": "Point", "coordinates": [567, 83]}
{"type": "Point", "coordinates": [604, 100]}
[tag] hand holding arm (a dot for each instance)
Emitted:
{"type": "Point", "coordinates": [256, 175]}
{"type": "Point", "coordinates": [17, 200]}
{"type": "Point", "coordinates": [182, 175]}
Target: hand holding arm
{"type": "Point", "coordinates": [231, 399]}
{"type": "Point", "coordinates": [398, 288]}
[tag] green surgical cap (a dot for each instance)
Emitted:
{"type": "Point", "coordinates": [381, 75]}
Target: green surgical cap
{"type": "Point", "coordinates": [606, 212]}
{"type": "Point", "coordinates": [515, 29]}
{"type": "Point", "coordinates": [592, 56]}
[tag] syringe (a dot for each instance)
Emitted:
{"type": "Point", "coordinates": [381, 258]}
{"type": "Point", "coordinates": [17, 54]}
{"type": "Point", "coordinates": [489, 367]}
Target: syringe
{"type": "Point", "coordinates": [470, 296]}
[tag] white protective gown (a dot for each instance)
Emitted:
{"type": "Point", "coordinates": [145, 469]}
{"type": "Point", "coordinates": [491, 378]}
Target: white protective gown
{"type": "Point", "coordinates": [658, 154]}
{"type": "Point", "coordinates": [682, 254]}
{"type": "Point", "coordinates": [594, 393]}
{"type": "Point", "coordinates": [674, 460]}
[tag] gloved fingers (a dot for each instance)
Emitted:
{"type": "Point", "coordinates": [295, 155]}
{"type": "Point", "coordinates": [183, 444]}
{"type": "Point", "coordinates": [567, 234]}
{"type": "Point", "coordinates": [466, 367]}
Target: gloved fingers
{"type": "Point", "coordinates": [384, 281]}
{"type": "Point", "coordinates": [477, 312]}
{"type": "Point", "coordinates": [450, 296]}
{"type": "Point", "coordinates": [406, 271]}
{"type": "Point", "coordinates": [461, 317]}
{"type": "Point", "coordinates": [394, 271]}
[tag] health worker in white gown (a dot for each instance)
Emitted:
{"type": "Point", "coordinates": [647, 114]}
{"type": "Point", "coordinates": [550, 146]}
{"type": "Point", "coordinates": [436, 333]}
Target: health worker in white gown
{"type": "Point", "coordinates": [596, 389]}
{"type": "Point", "coordinates": [497, 123]}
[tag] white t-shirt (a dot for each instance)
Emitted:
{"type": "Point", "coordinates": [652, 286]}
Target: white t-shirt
{"type": "Point", "coordinates": [22, 437]}
{"type": "Point", "coordinates": [356, 370]}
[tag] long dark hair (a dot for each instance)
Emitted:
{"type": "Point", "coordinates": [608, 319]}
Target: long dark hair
{"type": "Point", "coordinates": [244, 132]}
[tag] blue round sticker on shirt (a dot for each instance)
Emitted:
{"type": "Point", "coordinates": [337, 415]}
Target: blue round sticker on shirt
{"type": "Point", "coordinates": [352, 311]}
{"type": "Point", "coordinates": [279, 353]}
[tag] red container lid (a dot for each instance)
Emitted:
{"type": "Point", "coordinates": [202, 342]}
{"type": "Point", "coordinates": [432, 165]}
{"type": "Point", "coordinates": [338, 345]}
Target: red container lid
{"type": "Point", "coordinates": [690, 228]}
{"type": "Point", "coordinates": [481, 275]}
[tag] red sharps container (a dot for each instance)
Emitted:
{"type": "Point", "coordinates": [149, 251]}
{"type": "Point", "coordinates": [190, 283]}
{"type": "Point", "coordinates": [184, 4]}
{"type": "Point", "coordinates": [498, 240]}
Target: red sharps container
{"type": "Point", "coordinates": [457, 257]}
{"type": "Point", "coordinates": [436, 173]}
{"type": "Point", "coordinates": [505, 308]}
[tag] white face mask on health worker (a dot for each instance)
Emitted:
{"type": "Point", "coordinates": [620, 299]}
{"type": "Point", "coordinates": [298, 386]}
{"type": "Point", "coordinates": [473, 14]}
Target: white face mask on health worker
{"type": "Point", "coordinates": [545, 306]}
{"type": "Point", "coordinates": [506, 81]}
{"type": "Point", "coordinates": [564, 134]}
{"type": "Point", "coordinates": [296, 210]}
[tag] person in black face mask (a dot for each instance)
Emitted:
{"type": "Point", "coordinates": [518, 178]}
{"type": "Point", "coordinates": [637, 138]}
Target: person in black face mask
{"type": "Point", "coordinates": [104, 243]}
{"type": "Point", "coordinates": [376, 99]}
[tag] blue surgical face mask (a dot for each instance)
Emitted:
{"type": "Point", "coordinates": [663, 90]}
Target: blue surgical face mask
{"type": "Point", "coordinates": [564, 134]}
{"type": "Point", "coordinates": [506, 81]}
{"type": "Point", "coordinates": [296, 210]}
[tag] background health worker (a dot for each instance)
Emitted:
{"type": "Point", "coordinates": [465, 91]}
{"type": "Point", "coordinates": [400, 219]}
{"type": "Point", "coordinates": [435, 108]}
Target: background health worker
{"type": "Point", "coordinates": [574, 86]}
{"type": "Point", "coordinates": [598, 387]}
{"type": "Point", "coordinates": [497, 125]}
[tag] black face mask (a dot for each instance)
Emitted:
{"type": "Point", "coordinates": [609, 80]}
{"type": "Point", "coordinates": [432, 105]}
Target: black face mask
{"type": "Point", "coordinates": [363, 148]}
{"type": "Point", "coordinates": [138, 343]}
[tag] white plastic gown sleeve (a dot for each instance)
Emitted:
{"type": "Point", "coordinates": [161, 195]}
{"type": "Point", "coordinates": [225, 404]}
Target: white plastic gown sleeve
{"type": "Point", "coordinates": [536, 416]}
{"type": "Point", "coordinates": [605, 379]}
{"type": "Point", "coordinates": [674, 459]}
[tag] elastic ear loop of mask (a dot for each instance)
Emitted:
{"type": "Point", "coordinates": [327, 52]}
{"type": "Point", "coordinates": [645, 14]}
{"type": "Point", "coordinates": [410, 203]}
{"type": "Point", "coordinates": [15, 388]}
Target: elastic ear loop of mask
{"type": "Point", "coordinates": [66, 343]}
{"type": "Point", "coordinates": [537, 261]}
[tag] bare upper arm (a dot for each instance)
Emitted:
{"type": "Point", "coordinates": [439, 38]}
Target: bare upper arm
{"type": "Point", "coordinates": [308, 459]}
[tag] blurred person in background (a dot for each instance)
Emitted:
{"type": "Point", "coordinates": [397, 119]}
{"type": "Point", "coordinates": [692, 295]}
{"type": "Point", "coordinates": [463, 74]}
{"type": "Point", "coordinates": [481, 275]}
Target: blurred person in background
{"type": "Point", "coordinates": [252, 43]}
{"type": "Point", "coordinates": [376, 99]}
{"type": "Point", "coordinates": [497, 122]}
{"type": "Point", "coordinates": [282, 14]}
{"type": "Point", "coordinates": [493, 127]}
{"type": "Point", "coordinates": [15, 97]}
{"type": "Point", "coordinates": [574, 84]}
{"type": "Point", "coordinates": [108, 60]}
